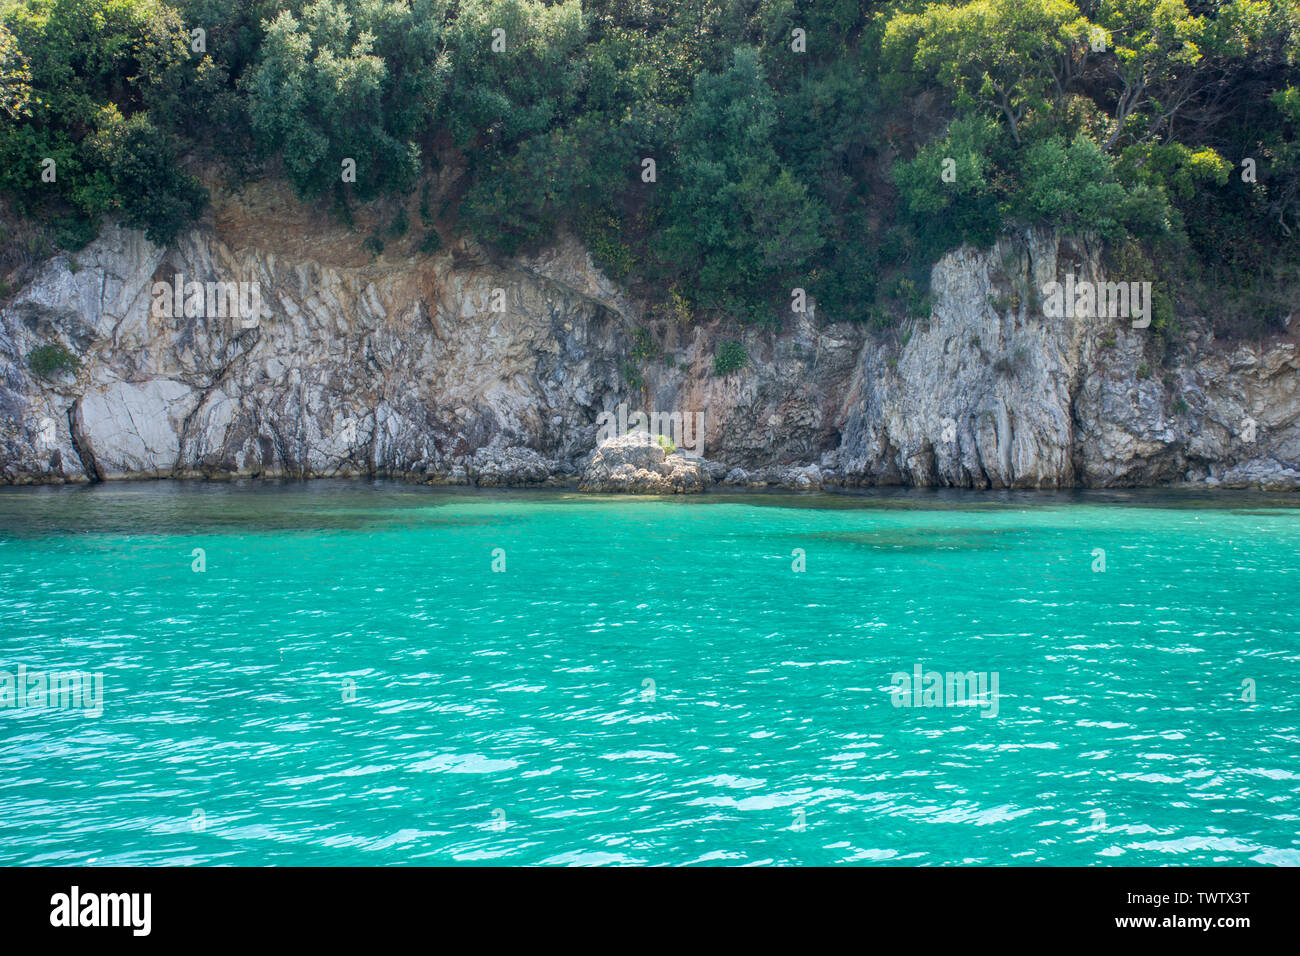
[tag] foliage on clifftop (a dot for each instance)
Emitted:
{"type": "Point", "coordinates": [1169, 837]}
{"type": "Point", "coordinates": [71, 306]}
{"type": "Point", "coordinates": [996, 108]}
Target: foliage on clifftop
{"type": "Point", "coordinates": [719, 153]}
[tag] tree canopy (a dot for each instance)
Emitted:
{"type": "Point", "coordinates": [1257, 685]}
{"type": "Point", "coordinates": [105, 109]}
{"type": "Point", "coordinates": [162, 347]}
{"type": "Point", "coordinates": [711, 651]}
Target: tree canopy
{"type": "Point", "coordinates": [717, 153]}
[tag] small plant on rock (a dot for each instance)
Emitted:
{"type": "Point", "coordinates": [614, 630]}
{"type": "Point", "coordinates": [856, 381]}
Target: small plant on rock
{"type": "Point", "coordinates": [729, 357]}
{"type": "Point", "coordinates": [49, 360]}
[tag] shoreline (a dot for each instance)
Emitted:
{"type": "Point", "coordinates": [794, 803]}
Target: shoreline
{"type": "Point", "coordinates": [914, 495]}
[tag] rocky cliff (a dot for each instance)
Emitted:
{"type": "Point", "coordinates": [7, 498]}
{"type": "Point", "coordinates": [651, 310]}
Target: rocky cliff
{"type": "Point", "coordinates": [458, 367]}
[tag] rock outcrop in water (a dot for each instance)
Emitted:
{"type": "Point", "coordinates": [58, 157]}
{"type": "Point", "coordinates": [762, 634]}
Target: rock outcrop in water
{"type": "Point", "coordinates": [463, 369]}
{"type": "Point", "coordinates": [638, 464]}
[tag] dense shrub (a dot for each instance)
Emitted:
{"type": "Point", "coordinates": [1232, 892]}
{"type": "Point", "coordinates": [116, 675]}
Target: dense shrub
{"type": "Point", "coordinates": [729, 357]}
{"type": "Point", "coordinates": [97, 71]}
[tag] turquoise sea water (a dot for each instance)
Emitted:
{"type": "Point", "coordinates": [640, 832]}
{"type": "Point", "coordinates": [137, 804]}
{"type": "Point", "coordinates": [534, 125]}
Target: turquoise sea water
{"type": "Point", "coordinates": [648, 681]}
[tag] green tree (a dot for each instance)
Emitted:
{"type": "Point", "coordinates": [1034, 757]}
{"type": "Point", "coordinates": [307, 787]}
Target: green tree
{"type": "Point", "coordinates": [1154, 42]}
{"type": "Point", "coordinates": [142, 162]}
{"type": "Point", "coordinates": [951, 189]}
{"type": "Point", "coordinates": [15, 79]}
{"type": "Point", "coordinates": [737, 220]}
{"type": "Point", "coordinates": [1004, 55]}
{"type": "Point", "coordinates": [95, 68]}
{"type": "Point", "coordinates": [502, 96]}
{"type": "Point", "coordinates": [348, 80]}
{"type": "Point", "coordinates": [1074, 186]}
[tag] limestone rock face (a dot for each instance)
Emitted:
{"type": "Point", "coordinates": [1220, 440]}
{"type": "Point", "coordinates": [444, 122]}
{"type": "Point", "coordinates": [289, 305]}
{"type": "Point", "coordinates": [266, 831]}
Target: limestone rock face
{"type": "Point", "coordinates": [422, 368]}
{"type": "Point", "coordinates": [981, 393]}
{"type": "Point", "coordinates": [137, 426]}
{"type": "Point", "coordinates": [1219, 410]}
{"type": "Point", "coordinates": [463, 369]}
{"type": "Point", "coordinates": [989, 392]}
{"type": "Point", "coordinates": [636, 463]}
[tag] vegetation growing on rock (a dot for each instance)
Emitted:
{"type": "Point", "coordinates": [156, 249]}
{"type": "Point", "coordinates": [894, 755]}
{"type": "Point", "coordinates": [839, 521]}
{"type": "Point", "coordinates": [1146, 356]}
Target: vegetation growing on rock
{"type": "Point", "coordinates": [729, 358]}
{"type": "Point", "coordinates": [49, 360]}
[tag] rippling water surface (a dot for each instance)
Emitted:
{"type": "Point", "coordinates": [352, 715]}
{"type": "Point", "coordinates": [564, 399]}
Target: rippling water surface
{"type": "Point", "coordinates": [648, 681]}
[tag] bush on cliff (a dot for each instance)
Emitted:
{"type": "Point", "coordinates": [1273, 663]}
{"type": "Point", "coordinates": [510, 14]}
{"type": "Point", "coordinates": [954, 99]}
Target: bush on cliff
{"type": "Point", "coordinates": [49, 360]}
